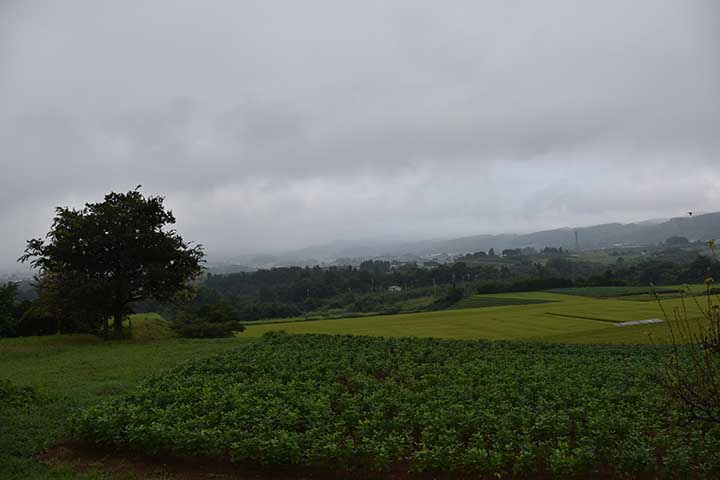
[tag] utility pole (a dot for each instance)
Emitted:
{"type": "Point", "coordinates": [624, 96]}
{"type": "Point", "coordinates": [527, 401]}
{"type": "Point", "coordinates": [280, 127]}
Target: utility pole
{"type": "Point", "coordinates": [577, 242]}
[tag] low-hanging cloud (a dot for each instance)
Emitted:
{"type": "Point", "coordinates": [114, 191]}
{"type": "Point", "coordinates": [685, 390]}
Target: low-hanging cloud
{"type": "Point", "coordinates": [272, 126]}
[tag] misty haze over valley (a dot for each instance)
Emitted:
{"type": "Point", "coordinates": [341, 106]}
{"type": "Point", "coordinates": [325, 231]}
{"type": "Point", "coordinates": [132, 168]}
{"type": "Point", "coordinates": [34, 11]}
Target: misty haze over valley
{"type": "Point", "coordinates": [273, 128]}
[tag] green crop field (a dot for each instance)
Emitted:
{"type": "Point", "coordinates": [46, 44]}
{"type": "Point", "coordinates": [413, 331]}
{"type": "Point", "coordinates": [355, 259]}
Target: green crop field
{"type": "Point", "coordinates": [46, 381]}
{"type": "Point", "coordinates": [348, 403]}
{"type": "Point", "coordinates": [536, 316]}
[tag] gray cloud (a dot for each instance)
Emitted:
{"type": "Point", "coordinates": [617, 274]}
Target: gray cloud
{"type": "Point", "coordinates": [272, 125]}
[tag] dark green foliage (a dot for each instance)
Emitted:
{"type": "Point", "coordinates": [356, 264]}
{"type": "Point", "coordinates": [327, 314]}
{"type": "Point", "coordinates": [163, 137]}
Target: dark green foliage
{"type": "Point", "coordinates": [102, 258]}
{"type": "Point", "coordinates": [375, 266]}
{"type": "Point", "coordinates": [261, 310]}
{"type": "Point", "coordinates": [35, 321]}
{"type": "Point", "coordinates": [581, 317]}
{"type": "Point", "coordinates": [8, 310]}
{"type": "Point", "coordinates": [361, 403]}
{"type": "Point", "coordinates": [453, 296]}
{"type": "Point", "coordinates": [62, 306]}
{"type": "Point", "coordinates": [314, 291]}
{"type": "Point", "coordinates": [700, 269]}
{"type": "Point", "coordinates": [611, 292]}
{"type": "Point", "coordinates": [11, 395]}
{"type": "Point", "coordinates": [527, 285]}
{"type": "Point", "coordinates": [296, 284]}
{"type": "Point", "coordinates": [482, 301]}
{"type": "Point", "coordinates": [215, 320]}
{"type": "Point", "coordinates": [16, 316]}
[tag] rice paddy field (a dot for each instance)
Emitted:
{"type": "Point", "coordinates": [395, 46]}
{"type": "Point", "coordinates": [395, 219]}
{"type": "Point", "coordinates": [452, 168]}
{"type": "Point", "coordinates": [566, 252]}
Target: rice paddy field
{"type": "Point", "coordinates": [566, 316]}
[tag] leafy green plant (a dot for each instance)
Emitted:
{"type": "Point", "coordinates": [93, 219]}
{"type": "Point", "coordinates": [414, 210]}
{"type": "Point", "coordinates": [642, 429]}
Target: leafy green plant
{"type": "Point", "coordinates": [426, 405]}
{"type": "Point", "coordinates": [10, 394]}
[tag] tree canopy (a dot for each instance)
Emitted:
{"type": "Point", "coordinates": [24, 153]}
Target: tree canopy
{"type": "Point", "coordinates": [110, 254]}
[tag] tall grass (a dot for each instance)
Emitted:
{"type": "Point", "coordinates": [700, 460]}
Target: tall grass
{"type": "Point", "coordinates": [692, 370]}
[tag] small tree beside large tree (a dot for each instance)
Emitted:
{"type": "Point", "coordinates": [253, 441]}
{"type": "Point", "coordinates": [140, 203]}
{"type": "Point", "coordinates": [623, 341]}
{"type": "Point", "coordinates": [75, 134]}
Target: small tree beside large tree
{"type": "Point", "coordinates": [107, 255]}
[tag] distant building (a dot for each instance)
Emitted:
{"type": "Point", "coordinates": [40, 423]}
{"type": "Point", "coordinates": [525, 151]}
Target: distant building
{"type": "Point", "coordinates": [394, 288]}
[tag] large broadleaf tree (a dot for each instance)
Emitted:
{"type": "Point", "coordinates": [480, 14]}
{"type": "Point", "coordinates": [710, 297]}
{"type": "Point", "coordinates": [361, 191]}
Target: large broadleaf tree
{"type": "Point", "coordinates": [113, 253]}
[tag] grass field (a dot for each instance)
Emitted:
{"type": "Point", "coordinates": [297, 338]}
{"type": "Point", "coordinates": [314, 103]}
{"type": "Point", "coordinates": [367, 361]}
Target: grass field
{"type": "Point", "coordinates": [536, 316]}
{"type": "Point", "coordinates": [70, 372]}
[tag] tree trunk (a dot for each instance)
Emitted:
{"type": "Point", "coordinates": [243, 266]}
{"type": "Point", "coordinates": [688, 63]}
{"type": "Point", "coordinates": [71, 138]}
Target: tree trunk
{"type": "Point", "coordinates": [118, 323]}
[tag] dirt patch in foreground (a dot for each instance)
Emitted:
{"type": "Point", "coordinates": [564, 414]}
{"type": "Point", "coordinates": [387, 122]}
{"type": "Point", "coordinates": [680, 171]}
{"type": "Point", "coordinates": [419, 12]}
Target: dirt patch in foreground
{"type": "Point", "coordinates": [129, 465]}
{"type": "Point", "coordinates": [85, 457]}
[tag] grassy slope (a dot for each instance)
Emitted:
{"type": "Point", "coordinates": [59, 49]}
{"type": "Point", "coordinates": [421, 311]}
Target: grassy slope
{"type": "Point", "coordinates": [72, 371]}
{"type": "Point", "coordinates": [512, 322]}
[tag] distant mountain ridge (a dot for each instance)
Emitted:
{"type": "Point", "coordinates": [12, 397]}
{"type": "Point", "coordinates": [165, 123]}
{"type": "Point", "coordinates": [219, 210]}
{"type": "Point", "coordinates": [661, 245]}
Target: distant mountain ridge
{"type": "Point", "coordinates": [648, 232]}
{"type": "Point", "coordinates": [700, 227]}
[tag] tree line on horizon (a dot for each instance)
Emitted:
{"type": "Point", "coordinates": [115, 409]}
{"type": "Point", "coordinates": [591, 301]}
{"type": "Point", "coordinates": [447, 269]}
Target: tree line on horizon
{"type": "Point", "coordinates": [101, 263]}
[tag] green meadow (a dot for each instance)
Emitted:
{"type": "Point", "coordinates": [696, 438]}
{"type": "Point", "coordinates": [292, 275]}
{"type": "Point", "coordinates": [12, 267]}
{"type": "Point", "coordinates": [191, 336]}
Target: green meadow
{"type": "Point", "coordinates": [71, 372]}
{"type": "Point", "coordinates": [531, 316]}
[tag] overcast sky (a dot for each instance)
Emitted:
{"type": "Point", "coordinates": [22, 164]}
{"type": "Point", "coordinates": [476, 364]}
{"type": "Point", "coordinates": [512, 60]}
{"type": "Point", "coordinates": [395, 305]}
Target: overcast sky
{"type": "Point", "coordinates": [272, 125]}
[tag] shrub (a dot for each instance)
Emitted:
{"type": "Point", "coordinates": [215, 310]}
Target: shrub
{"type": "Point", "coordinates": [453, 296]}
{"type": "Point", "coordinates": [692, 371]}
{"type": "Point", "coordinates": [214, 320]}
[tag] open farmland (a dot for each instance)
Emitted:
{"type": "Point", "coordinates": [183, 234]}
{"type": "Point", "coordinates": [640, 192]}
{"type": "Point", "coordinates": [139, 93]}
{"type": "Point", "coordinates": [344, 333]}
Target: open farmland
{"type": "Point", "coordinates": [65, 373]}
{"type": "Point", "coordinates": [533, 394]}
{"type": "Point", "coordinates": [345, 403]}
{"type": "Point", "coordinates": [532, 316]}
